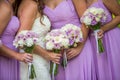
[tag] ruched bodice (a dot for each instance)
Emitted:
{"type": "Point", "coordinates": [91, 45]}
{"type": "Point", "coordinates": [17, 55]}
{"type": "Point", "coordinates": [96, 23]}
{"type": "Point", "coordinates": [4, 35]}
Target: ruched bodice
{"type": "Point", "coordinates": [10, 32]}
{"type": "Point", "coordinates": [65, 15]}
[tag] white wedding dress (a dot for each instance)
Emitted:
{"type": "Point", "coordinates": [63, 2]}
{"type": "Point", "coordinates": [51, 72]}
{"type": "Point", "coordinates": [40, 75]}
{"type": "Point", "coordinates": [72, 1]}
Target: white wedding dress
{"type": "Point", "coordinates": [41, 65]}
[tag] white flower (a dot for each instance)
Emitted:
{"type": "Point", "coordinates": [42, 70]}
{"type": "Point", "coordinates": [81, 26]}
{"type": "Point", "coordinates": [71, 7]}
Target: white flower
{"type": "Point", "coordinates": [65, 43]}
{"type": "Point", "coordinates": [49, 45]}
{"type": "Point", "coordinates": [97, 19]}
{"type": "Point", "coordinates": [20, 43]}
{"type": "Point", "coordinates": [57, 39]}
{"type": "Point", "coordinates": [29, 42]}
{"type": "Point", "coordinates": [87, 20]}
{"type": "Point", "coordinates": [48, 37]}
{"type": "Point", "coordinates": [77, 40]}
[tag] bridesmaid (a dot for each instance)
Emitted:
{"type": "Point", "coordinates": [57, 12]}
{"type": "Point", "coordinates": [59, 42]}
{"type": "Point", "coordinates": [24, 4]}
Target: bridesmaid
{"type": "Point", "coordinates": [108, 62]}
{"type": "Point", "coordinates": [80, 59]}
{"type": "Point", "coordinates": [9, 24]}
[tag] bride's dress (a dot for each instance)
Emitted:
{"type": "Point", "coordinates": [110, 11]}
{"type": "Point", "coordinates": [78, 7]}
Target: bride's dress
{"type": "Point", "coordinates": [41, 65]}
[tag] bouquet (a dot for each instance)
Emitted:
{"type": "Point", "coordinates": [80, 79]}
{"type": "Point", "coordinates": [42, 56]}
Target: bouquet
{"type": "Point", "coordinates": [74, 35]}
{"type": "Point", "coordinates": [94, 18]}
{"type": "Point", "coordinates": [55, 41]}
{"type": "Point", "coordinates": [27, 40]}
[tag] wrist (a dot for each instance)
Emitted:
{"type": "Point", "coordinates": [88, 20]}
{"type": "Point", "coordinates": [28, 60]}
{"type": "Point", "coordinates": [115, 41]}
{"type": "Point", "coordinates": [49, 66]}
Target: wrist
{"type": "Point", "coordinates": [17, 57]}
{"type": "Point", "coordinates": [102, 28]}
{"type": "Point", "coordinates": [80, 45]}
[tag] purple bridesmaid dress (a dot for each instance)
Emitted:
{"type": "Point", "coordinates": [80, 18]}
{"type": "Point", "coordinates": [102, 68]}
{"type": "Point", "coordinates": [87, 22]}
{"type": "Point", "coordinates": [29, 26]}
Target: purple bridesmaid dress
{"type": "Point", "coordinates": [108, 63]}
{"type": "Point", "coordinates": [9, 68]}
{"type": "Point", "coordinates": [82, 66]}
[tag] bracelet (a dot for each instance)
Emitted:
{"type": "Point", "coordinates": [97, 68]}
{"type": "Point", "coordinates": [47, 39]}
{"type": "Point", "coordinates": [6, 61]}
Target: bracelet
{"type": "Point", "coordinates": [0, 43]}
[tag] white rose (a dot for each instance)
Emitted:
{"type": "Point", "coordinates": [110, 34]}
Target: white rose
{"type": "Point", "coordinates": [87, 20]}
{"type": "Point", "coordinates": [97, 19]}
{"type": "Point", "coordinates": [29, 42]}
{"type": "Point", "coordinates": [65, 43]}
{"type": "Point", "coordinates": [49, 45]}
{"type": "Point", "coordinates": [21, 43]}
{"type": "Point", "coordinates": [57, 39]}
{"type": "Point", "coordinates": [48, 37]}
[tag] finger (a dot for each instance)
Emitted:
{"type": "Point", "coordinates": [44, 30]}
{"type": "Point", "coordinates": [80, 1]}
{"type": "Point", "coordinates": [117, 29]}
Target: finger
{"type": "Point", "coordinates": [99, 33]}
{"type": "Point", "coordinates": [100, 36]}
{"type": "Point", "coordinates": [68, 50]}
{"type": "Point", "coordinates": [69, 57]}
{"type": "Point", "coordinates": [57, 58]}
{"type": "Point", "coordinates": [30, 55]}
{"type": "Point", "coordinates": [58, 55]}
{"type": "Point", "coordinates": [69, 54]}
{"type": "Point", "coordinates": [28, 60]}
{"type": "Point", "coordinates": [56, 62]}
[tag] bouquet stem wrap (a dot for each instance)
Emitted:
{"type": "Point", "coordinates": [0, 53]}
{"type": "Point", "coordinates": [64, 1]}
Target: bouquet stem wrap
{"type": "Point", "coordinates": [64, 61]}
{"type": "Point", "coordinates": [31, 70]}
{"type": "Point", "coordinates": [54, 66]}
{"type": "Point", "coordinates": [99, 44]}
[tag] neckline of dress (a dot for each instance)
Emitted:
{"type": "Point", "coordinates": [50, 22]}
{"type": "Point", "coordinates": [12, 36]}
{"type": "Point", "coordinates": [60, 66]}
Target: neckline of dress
{"type": "Point", "coordinates": [56, 6]}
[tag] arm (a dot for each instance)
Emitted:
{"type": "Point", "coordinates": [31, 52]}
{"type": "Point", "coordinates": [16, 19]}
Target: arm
{"type": "Point", "coordinates": [27, 15]}
{"type": "Point", "coordinates": [47, 55]}
{"type": "Point", "coordinates": [80, 6]}
{"type": "Point", "coordinates": [114, 7]}
{"type": "Point", "coordinates": [5, 51]}
{"type": "Point", "coordinates": [5, 17]}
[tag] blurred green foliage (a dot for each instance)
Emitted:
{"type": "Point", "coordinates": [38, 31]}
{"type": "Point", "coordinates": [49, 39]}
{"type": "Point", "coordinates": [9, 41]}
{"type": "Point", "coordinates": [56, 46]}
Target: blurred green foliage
{"type": "Point", "coordinates": [119, 3]}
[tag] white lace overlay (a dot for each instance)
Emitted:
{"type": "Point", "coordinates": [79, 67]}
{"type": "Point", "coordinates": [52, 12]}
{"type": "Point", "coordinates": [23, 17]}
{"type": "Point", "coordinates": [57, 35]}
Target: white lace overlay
{"type": "Point", "coordinates": [41, 65]}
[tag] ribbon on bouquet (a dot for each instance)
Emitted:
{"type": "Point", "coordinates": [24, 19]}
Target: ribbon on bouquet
{"type": "Point", "coordinates": [53, 71]}
{"type": "Point", "coordinates": [65, 59]}
{"type": "Point", "coordinates": [96, 39]}
{"type": "Point", "coordinates": [29, 70]}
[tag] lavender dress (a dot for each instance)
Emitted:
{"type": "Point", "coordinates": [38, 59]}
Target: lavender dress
{"type": "Point", "coordinates": [108, 63]}
{"type": "Point", "coordinates": [82, 66]}
{"type": "Point", "coordinates": [9, 68]}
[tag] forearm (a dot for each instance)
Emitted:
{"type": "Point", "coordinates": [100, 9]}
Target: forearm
{"type": "Point", "coordinates": [40, 51]}
{"type": "Point", "coordinates": [112, 24]}
{"type": "Point", "coordinates": [5, 51]}
{"type": "Point", "coordinates": [85, 31]}
{"type": "Point", "coordinates": [81, 6]}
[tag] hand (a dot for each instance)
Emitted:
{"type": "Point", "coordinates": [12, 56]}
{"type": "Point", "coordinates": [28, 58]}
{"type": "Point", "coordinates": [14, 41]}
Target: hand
{"type": "Point", "coordinates": [25, 57]}
{"type": "Point", "coordinates": [73, 52]}
{"type": "Point", "coordinates": [100, 33]}
{"type": "Point", "coordinates": [54, 57]}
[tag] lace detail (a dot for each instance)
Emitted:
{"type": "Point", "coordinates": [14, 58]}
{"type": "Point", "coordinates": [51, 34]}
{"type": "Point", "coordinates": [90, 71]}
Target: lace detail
{"type": "Point", "coordinates": [41, 65]}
